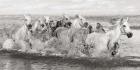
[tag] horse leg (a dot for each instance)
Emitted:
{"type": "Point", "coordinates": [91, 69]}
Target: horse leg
{"type": "Point", "coordinates": [112, 48]}
{"type": "Point", "coordinates": [115, 49]}
{"type": "Point", "coordinates": [110, 45]}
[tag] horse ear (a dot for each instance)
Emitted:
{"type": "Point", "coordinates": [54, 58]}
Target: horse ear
{"type": "Point", "coordinates": [127, 18]}
{"type": "Point", "coordinates": [124, 20]}
{"type": "Point", "coordinates": [27, 18]}
{"type": "Point", "coordinates": [47, 18]}
{"type": "Point", "coordinates": [121, 21]}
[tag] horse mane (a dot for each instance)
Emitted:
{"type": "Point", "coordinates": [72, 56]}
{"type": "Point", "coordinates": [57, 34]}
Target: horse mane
{"type": "Point", "coordinates": [112, 27]}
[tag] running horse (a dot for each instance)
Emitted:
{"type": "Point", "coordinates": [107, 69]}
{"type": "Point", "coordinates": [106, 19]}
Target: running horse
{"type": "Point", "coordinates": [20, 40]}
{"type": "Point", "coordinates": [104, 42]}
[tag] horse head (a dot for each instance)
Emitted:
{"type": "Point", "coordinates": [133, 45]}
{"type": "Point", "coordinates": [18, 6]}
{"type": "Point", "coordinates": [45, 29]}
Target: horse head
{"type": "Point", "coordinates": [125, 28]}
{"type": "Point", "coordinates": [90, 28]}
{"type": "Point", "coordinates": [99, 28]}
{"type": "Point", "coordinates": [28, 23]}
{"type": "Point", "coordinates": [86, 25]}
{"type": "Point", "coordinates": [79, 21]}
{"type": "Point", "coordinates": [40, 25]}
{"type": "Point", "coordinates": [43, 24]}
{"type": "Point", "coordinates": [47, 20]}
{"type": "Point", "coordinates": [82, 20]}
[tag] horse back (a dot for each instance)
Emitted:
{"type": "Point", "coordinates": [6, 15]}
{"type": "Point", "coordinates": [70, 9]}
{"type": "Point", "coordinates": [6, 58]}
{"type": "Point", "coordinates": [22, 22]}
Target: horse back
{"type": "Point", "coordinates": [59, 30]}
{"type": "Point", "coordinates": [80, 35]}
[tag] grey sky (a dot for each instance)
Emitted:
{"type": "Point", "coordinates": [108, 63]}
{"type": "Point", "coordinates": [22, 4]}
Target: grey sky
{"type": "Point", "coordinates": [88, 7]}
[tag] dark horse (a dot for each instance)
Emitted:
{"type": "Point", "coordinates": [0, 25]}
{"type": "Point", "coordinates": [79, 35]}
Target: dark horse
{"type": "Point", "coordinates": [60, 23]}
{"type": "Point", "coordinates": [64, 23]}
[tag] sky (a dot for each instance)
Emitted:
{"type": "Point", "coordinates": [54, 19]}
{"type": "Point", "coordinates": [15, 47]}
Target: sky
{"type": "Point", "coordinates": [85, 7]}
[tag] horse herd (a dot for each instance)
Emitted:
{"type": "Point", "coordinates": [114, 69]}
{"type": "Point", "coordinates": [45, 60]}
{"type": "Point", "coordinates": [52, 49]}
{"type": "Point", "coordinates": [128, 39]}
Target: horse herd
{"type": "Point", "coordinates": [72, 38]}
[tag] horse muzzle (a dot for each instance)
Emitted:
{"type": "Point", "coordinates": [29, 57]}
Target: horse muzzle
{"type": "Point", "coordinates": [129, 35]}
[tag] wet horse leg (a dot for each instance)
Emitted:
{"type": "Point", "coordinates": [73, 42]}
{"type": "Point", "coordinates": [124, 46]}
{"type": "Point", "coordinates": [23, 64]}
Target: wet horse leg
{"type": "Point", "coordinates": [115, 49]}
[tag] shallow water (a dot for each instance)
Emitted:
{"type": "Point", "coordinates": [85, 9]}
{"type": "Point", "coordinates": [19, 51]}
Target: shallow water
{"type": "Point", "coordinates": [57, 63]}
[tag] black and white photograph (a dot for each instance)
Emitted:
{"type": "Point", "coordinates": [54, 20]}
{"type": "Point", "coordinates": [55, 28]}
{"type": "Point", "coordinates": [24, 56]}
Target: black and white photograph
{"type": "Point", "coordinates": [69, 35]}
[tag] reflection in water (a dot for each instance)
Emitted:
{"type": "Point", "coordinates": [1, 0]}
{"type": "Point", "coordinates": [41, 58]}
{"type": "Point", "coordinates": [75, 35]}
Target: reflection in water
{"type": "Point", "coordinates": [8, 63]}
{"type": "Point", "coordinates": [19, 63]}
{"type": "Point", "coordinates": [14, 63]}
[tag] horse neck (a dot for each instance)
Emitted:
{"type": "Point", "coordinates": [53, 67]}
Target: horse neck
{"type": "Point", "coordinates": [115, 34]}
{"type": "Point", "coordinates": [25, 28]}
{"type": "Point", "coordinates": [78, 20]}
{"type": "Point", "coordinates": [25, 31]}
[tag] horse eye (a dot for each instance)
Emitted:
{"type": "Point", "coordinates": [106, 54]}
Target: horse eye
{"type": "Point", "coordinates": [124, 26]}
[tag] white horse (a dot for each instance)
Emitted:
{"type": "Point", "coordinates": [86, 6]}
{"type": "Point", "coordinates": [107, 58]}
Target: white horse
{"type": "Point", "coordinates": [24, 30]}
{"type": "Point", "coordinates": [104, 42]}
{"type": "Point", "coordinates": [40, 35]}
{"type": "Point", "coordinates": [69, 37]}
{"type": "Point", "coordinates": [21, 38]}
{"type": "Point", "coordinates": [79, 37]}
